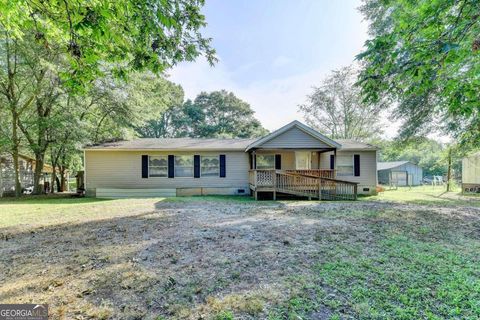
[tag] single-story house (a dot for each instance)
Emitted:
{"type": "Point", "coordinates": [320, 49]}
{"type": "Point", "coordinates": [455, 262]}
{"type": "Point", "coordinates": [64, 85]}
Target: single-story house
{"type": "Point", "coordinates": [294, 159]}
{"type": "Point", "coordinates": [399, 173]}
{"type": "Point", "coordinates": [471, 173]}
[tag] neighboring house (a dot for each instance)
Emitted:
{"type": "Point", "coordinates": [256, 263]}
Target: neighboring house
{"type": "Point", "coordinates": [471, 173]}
{"type": "Point", "coordinates": [294, 159]}
{"type": "Point", "coordinates": [399, 173]}
{"type": "Point", "coordinates": [26, 166]}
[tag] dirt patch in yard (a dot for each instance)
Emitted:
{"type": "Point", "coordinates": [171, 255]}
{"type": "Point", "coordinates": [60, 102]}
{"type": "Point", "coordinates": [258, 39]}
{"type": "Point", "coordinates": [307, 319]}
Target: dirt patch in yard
{"type": "Point", "coordinates": [212, 259]}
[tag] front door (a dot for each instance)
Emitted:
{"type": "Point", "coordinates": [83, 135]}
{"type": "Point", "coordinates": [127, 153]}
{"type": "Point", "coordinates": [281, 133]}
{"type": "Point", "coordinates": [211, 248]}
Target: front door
{"type": "Point", "coordinates": [303, 160]}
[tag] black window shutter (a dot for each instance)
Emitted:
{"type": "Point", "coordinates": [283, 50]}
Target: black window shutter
{"type": "Point", "coordinates": [356, 165]}
{"type": "Point", "coordinates": [144, 166]}
{"type": "Point", "coordinates": [250, 157]}
{"type": "Point", "coordinates": [223, 169]}
{"type": "Point", "coordinates": [171, 166]}
{"type": "Point", "coordinates": [196, 166]}
{"type": "Point", "coordinates": [332, 161]}
{"type": "Point", "coordinates": [278, 162]}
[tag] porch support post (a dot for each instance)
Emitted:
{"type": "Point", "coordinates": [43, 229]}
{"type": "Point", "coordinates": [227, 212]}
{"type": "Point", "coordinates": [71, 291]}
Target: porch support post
{"type": "Point", "coordinates": [319, 188]}
{"type": "Point", "coordinates": [334, 163]}
{"type": "Point", "coordinates": [275, 185]}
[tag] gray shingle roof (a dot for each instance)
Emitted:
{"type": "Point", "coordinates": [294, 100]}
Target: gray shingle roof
{"type": "Point", "coordinates": [349, 144]}
{"type": "Point", "coordinates": [175, 144]}
{"type": "Point", "coordinates": [390, 165]}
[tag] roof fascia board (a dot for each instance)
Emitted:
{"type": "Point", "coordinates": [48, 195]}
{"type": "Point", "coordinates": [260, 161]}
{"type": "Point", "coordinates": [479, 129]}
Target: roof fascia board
{"type": "Point", "coordinates": [162, 150]}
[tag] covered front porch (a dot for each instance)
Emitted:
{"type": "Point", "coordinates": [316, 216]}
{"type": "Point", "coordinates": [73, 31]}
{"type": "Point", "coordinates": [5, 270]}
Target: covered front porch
{"type": "Point", "coordinates": [304, 173]}
{"type": "Point", "coordinates": [297, 160]}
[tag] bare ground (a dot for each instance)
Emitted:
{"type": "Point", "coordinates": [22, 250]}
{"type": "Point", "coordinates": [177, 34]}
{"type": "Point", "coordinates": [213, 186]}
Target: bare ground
{"type": "Point", "coordinates": [203, 259]}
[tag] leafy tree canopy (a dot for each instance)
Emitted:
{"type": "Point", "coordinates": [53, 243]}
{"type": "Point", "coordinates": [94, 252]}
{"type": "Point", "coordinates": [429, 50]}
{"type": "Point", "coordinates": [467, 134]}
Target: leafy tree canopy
{"type": "Point", "coordinates": [210, 115]}
{"type": "Point", "coordinates": [425, 56]}
{"type": "Point", "coordinates": [336, 108]}
{"type": "Point", "coordinates": [220, 114]}
{"type": "Point", "coordinates": [138, 35]}
{"type": "Point", "coordinates": [154, 98]}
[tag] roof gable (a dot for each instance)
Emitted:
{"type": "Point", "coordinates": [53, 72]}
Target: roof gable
{"type": "Point", "coordinates": [294, 135]}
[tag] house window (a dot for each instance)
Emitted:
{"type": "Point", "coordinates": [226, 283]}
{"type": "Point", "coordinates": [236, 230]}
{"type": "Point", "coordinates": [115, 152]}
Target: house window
{"type": "Point", "coordinates": [210, 166]}
{"type": "Point", "coordinates": [183, 166]}
{"type": "Point", "coordinates": [265, 161]}
{"type": "Point", "coordinates": [344, 166]}
{"type": "Point", "coordinates": [157, 166]}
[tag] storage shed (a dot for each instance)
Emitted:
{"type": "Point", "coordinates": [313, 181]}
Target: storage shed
{"type": "Point", "coordinates": [399, 173]}
{"type": "Point", "coordinates": [471, 173]}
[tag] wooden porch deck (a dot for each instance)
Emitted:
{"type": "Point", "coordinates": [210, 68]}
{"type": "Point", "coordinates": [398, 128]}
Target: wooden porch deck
{"type": "Point", "coordinates": [314, 184]}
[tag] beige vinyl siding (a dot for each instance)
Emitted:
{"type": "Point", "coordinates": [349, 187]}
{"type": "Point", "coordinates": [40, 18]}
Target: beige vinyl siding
{"type": "Point", "coordinates": [123, 170]}
{"type": "Point", "coordinates": [471, 169]}
{"type": "Point", "coordinates": [368, 169]}
{"type": "Point", "coordinates": [294, 138]}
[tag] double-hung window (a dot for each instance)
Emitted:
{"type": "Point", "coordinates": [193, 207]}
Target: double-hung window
{"type": "Point", "coordinates": [183, 166]}
{"type": "Point", "coordinates": [210, 166]}
{"type": "Point", "coordinates": [157, 166]}
{"type": "Point", "coordinates": [344, 165]}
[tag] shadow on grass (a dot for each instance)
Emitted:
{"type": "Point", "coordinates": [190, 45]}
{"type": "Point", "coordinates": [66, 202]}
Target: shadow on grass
{"type": "Point", "coordinates": [49, 199]}
{"type": "Point", "coordinates": [172, 261]}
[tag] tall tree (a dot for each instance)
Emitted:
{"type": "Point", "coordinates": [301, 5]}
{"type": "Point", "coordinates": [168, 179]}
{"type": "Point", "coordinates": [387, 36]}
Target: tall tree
{"type": "Point", "coordinates": [156, 98]}
{"type": "Point", "coordinates": [147, 34]}
{"type": "Point", "coordinates": [424, 56]}
{"type": "Point", "coordinates": [18, 90]}
{"type": "Point", "coordinates": [93, 38]}
{"type": "Point", "coordinates": [336, 108]}
{"type": "Point", "coordinates": [38, 122]}
{"type": "Point", "coordinates": [216, 114]}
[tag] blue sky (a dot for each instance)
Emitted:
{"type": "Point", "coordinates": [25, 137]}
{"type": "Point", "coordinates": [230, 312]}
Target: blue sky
{"type": "Point", "coordinates": [273, 51]}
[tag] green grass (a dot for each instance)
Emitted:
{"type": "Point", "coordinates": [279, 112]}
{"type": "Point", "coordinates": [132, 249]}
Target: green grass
{"type": "Point", "coordinates": [427, 195]}
{"type": "Point", "coordinates": [413, 265]}
{"type": "Point", "coordinates": [351, 261]}
{"type": "Point", "coordinates": [36, 211]}
{"type": "Point", "coordinates": [44, 210]}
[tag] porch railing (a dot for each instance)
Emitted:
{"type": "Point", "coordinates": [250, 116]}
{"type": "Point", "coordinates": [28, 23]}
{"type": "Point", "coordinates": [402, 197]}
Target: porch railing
{"type": "Point", "coordinates": [302, 184]}
{"type": "Point", "coordinates": [322, 173]}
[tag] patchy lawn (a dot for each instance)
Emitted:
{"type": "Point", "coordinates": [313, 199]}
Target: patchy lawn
{"type": "Point", "coordinates": [233, 258]}
{"type": "Point", "coordinates": [428, 195]}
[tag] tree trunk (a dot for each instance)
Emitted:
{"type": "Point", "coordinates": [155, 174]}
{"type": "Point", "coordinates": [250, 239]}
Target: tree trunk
{"type": "Point", "coordinates": [37, 174]}
{"type": "Point", "coordinates": [54, 177]}
{"type": "Point", "coordinates": [18, 186]}
{"type": "Point", "coordinates": [62, 179]}
{"type": "Point", "coordinates": [449, 172]}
